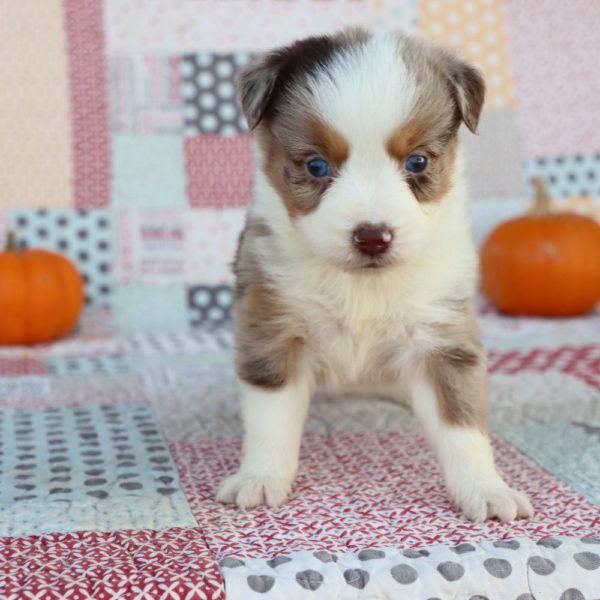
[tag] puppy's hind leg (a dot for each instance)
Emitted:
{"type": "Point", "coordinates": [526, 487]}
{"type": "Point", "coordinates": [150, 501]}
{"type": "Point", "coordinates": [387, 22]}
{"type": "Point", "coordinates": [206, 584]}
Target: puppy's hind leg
{"type": "Point", "coordinates": [273, 422]}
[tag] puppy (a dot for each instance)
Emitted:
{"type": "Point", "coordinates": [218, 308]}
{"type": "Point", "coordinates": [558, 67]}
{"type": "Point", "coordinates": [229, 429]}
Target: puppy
{"type": "Point", "coordinates": [356, 268]}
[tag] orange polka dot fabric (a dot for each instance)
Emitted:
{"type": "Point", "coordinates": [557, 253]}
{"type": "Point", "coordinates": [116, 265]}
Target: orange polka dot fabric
{"type": "Point", "coordinates": [476, 29]}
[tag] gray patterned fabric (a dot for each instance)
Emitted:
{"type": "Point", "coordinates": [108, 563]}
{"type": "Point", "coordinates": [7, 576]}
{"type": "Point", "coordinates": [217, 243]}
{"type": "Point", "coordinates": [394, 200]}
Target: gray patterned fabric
{"type": "Point", "coordinates": [97, 468]}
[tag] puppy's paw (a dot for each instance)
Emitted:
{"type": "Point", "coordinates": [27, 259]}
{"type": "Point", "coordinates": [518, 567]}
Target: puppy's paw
{"type": "Point", "coordinates": [252, 489]}
{"type": "Point", "coordinates": [485, 499]}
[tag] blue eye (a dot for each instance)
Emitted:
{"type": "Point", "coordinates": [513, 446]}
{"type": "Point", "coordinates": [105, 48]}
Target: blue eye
{"type": "Point", "coordinates": [416, 163]}
{"type": "Point", "coordinates": [318, 167]}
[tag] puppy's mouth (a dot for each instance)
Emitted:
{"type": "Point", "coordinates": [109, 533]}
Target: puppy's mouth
{"type": "Point", "coordinates": [371, 264]}
{"type": "Point", "coordinates": [374, 263]}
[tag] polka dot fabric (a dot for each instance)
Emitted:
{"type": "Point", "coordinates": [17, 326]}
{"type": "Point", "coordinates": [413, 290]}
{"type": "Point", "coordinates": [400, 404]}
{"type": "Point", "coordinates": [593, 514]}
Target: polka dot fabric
{"type": "Point", "coordinates": [476, 29]}
{"type": "Point", "coordinates": [565, 176]}
{"type": "Point", "coordinates": [209, 305]}
{"type": "Point", "coordinates": [517, 569]}
{"type": "Point", "coordinates": [83, 236]}
{"type": "Point", "coordinates": [208, 90]}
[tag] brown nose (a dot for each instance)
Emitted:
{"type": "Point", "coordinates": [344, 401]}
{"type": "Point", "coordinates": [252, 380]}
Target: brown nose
{"type": "Point", "coordinates": [372, 239]}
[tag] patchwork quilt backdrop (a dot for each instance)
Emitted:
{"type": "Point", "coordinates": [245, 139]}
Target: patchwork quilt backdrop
{"type": "Point", "coordinates": [122, 147]}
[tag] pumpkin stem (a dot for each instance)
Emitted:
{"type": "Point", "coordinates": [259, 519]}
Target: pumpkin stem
{"type": "Point", "coordinates": [11, 242]}
{"type": "Point", "coordinates": [541, 199]}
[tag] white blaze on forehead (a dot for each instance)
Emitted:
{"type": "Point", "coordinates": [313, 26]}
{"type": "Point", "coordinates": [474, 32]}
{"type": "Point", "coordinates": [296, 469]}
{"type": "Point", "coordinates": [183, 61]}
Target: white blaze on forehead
{"type": "Point", "coordinates": [366, 91]}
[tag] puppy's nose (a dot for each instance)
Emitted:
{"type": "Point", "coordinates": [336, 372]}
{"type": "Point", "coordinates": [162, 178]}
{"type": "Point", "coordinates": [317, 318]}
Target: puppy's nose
{"type": "Point", "coordinates": [372, 239]}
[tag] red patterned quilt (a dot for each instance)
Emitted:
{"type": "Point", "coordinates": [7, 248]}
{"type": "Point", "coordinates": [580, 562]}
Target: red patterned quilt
{"type": "Point", "coordinates": [113, 445]}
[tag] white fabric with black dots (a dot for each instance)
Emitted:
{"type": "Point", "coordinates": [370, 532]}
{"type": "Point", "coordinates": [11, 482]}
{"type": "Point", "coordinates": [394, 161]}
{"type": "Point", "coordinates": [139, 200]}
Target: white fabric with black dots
{"type": "Point", "coordinates": [519, 569]}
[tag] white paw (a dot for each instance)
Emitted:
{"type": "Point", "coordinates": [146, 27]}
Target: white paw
{"type": "Point", "coordinates": [253, 489]}
{"type": "Point", "coordinates": [490, 498]}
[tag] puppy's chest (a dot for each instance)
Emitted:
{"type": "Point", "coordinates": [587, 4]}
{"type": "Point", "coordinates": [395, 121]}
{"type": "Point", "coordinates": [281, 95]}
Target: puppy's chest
{"type": "Point", "coordinates": [360, 351]}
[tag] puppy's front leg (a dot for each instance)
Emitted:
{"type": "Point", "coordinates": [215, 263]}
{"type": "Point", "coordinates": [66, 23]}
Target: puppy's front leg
{"type": "Point", "coordinates": [273, 422]}
{"type": "Point", "coordinates": [449, 399]}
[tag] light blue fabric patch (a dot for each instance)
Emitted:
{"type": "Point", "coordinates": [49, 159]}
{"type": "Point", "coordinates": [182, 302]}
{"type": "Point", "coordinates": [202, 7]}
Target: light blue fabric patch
{"type": "Point", "coordinates": [94, 468]}
{"type": "Point", "coordinates": [148, 171]}
{"type": "Point", "coordinates": [148, 307]}
{"type": "Point", "coordinates": [571, 451]}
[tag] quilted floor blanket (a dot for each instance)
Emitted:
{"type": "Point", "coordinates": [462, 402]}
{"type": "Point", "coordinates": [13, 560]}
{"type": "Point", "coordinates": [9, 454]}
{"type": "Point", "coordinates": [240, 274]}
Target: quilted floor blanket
{"type": "Point", "coordinates": [112, 445]}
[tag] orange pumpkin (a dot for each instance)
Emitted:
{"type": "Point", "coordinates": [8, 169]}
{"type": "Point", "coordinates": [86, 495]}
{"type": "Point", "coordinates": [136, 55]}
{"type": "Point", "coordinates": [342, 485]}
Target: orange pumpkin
{"type": "Point", "coordinates": [41, 295]}
{"type": "Point", "coordinates": [544, 264]}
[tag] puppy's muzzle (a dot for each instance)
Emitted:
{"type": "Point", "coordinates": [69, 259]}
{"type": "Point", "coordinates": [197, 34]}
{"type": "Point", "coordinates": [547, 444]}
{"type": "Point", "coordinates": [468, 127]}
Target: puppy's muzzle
{"type": "Point", "coordinates": [372, 240]}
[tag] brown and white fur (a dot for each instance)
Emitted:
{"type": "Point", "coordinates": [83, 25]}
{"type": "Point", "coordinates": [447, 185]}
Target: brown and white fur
{"type": "Point", "coordinates": [311, 310]}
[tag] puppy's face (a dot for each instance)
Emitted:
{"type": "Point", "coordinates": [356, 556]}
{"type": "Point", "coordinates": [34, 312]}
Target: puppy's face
{"type": "Point", "coordinates": [358, 138]}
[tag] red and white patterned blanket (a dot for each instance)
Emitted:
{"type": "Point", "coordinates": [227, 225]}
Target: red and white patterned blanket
{"type": "Point", "coordinates": [113, 445]}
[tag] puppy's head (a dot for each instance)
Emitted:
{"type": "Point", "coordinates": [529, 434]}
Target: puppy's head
{"type": "Point", "coordinates": [358, 137]}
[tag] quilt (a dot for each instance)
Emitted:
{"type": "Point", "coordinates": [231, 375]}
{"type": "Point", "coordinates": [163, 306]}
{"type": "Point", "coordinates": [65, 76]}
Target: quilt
{"type": "Point", "coordinates": [112, 445]}
{"type": "Point", "coordinates": [121, 147]}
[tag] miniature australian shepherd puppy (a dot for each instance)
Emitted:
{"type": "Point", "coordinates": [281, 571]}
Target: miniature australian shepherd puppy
{"type": "Point", "coordinates": [357, 268]}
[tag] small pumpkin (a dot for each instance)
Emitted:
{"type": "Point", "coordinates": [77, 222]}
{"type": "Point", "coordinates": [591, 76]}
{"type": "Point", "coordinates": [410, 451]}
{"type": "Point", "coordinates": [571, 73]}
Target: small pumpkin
{"type": "Point", "coordinates": [543, 263]}
{"type": "Point", "coordinates": [41, 295]}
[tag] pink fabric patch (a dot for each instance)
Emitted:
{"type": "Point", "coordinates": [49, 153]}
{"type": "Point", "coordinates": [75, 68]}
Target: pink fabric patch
{"type": "Point", "coordinates": [17, 367]}
{"type": "Point", "coordinates": [151, 245]}
{"type": "Point", "coordinates": [362, 490]}
{"type": "Point", "coordinates": [555, 75]}
{"type": "Point", "coordinates": [220, 170]}
{"type": "Point", "coordinates": [89, 103]}
{"type": "Point", "coordinates": [170, 564]}
{"type": "Point", "coordinates": [582, 362]}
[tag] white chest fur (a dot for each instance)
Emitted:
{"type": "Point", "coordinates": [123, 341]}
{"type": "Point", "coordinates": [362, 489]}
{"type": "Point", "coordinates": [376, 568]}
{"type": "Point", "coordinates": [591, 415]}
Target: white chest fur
{"type": "Point", "coordinates": [365, 330]}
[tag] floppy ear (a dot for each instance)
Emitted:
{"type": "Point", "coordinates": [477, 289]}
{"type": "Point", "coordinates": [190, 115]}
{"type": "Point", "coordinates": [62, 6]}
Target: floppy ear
{"type": "Point", "coordinates": [260, 83]}
{"type": "Point", "coordinates": [469, 88]}
{"type": "Point", "coordinates": [256, 83]}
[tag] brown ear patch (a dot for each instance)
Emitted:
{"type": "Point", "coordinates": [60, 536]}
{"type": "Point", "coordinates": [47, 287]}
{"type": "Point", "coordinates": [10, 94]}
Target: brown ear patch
{"type": "Point", "coordinates": [470, 91]}
{"type": "Point", "coordinates": [461, 83]}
